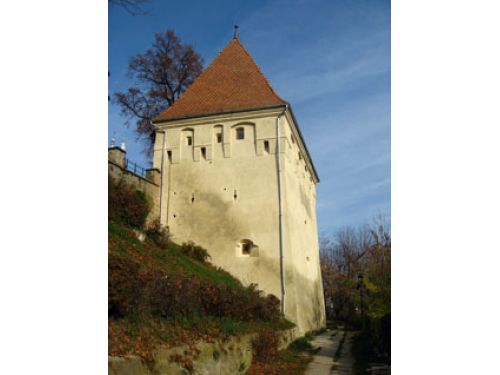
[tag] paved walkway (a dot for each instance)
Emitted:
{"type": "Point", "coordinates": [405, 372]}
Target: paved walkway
{"type": "Point", "coordinates": [345, 362]}
{"type": "Point", "coordinates": [322, 361]}
{"type": "Point", "coordinates": [328, 342]}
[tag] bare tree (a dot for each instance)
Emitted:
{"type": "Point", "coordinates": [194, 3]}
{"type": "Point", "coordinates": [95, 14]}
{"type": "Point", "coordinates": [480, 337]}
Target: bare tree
{"type": "Point", "coordinates": [351, 253]}
{"type": "Point", "coordinates": [134, 7]}
{"type": "Point", "coordinates": [161, 75]}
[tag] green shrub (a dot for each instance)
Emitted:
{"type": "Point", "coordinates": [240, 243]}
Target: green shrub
{"type": "Point", "coordinates": [158, 233]}
{"type": "Point", "coordinates": [126, 204]}
{"type": "Point", "coordinates": [378, 332]}
{"type": "Point", "coordinates": [195, 252]}
{"type": "Point", "coordinates": [300, 344]}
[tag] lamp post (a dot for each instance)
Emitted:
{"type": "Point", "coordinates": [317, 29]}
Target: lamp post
{"type": "Point", "coordinates": [361, 287]}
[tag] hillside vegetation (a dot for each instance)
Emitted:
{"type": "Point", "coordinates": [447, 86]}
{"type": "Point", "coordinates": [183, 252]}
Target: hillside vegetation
{"type": "Point", "coordinates": [161, 293]}
{"type": "Point", "coordinates": [162, 296]}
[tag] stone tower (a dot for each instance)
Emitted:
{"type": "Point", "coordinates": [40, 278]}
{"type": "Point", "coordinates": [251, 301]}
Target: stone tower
{"type": "Point", "coordinates": [238, 180]}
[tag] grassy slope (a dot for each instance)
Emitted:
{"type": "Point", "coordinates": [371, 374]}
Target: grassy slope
{"type": "Point", "coordinates": [123, 241]}
{"type": "Point", "coordinates": [129, 336]}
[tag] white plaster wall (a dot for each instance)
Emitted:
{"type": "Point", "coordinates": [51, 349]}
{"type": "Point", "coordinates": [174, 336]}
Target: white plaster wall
{"type": "Point", "coordinates": [305, 284]}
{"type": "Point", "coordinates": [218, 221]}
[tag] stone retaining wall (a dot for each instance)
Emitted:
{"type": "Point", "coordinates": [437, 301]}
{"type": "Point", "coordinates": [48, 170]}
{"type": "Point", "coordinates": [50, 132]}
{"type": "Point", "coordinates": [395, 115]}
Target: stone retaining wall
{"type": "Point", "coordinates": [149, 184]}
{"type": "Point", "coordinates": [229, 357]}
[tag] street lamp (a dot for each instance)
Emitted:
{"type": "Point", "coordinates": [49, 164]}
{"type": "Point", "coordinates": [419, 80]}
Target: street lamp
{"type": "Point", "coordinates": [361, 287]}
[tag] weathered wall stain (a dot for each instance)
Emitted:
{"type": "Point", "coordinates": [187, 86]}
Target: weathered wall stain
{"type": "Point", "coordinates": [222, 195]}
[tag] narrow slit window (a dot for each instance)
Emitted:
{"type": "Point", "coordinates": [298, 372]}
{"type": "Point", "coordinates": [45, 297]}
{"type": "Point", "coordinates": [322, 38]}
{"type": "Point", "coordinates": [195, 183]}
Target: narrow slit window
{"type": "Point", "coordinates": [204, 152]}
{"type": "Point", "coordinates": [189, 141]}
{"type": "Point", "coordinates": [266, 146]}
{"type": "Point", "coordinates": [219, 138]}
{"type": "Point", "coordinates": [169, 156]}
{"type": "Point", "coordinates": [240, 133]}
{"type": "Point", "coordinates": [192, 198]}
{"type": "Point", "coordinates": [235, 195]}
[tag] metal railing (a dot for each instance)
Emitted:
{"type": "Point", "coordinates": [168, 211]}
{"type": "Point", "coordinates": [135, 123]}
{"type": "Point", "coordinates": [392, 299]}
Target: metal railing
{"type": "Point", "coordinates": [135, 168]}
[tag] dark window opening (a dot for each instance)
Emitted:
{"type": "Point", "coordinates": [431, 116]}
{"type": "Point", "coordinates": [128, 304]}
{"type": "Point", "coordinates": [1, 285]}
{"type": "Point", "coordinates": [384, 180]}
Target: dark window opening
{"type": "Point", "coordinates": [192, 198]}
{"type": "Point", "coordinates": [204, 152]}
{"type": "Point", "coordinates": [169, 156]}
{"type": "Point", "coordinates": [219, 138]}
{"type": "Point", "coordinates": [189, 141]}
{"type": "Point", "coordinates": [246, 248]}
{"type": "Point", "coordinates": [240, 133]}
{"type": "Point", "coordinates": [235, 195]}
{"type": "Point", "coordinates": [266, 146]}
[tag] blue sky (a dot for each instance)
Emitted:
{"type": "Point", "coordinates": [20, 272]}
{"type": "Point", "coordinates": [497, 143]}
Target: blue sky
{"type": "Point", "coordinates": [329, 59]}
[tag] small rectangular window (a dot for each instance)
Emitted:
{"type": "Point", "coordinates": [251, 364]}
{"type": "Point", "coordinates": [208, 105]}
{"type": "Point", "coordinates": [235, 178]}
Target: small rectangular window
{"type": "Point", "coordinates": [189, 141]}
{"type": "Point", "coordinates": [266, 146]}
{"type": "Point", "coordinates": [246, 248]}
{"type": "Point", "coordinates": [203, 152]}
{"type": "Point", "coordinates": [219, 138]}
{"type": "Point", "coordinates": [240, 133]}
{"type": "Point", "coordinates": [169, 155]}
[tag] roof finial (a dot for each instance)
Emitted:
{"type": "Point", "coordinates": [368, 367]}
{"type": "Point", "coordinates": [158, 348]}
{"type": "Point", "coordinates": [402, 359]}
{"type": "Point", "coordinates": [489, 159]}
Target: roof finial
{"type": "Point", "coordinates": [235, 35]}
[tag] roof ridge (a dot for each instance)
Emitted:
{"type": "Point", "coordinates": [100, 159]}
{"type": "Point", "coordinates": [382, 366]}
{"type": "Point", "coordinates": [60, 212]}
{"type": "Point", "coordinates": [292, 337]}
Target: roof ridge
{"type": "Point", "coordinates": [233, 80]}
{"type": "Point", "coordinates": [259, 70]}
{"type": "Point", "coordinates": [183, 95]}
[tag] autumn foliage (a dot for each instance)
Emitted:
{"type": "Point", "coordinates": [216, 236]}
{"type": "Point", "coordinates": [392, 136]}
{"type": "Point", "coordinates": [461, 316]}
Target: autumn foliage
{"type": "Point", "coordinates": [160, 293]}
{"type": "Point", "coordinates": [356, 272]}
{"type": "Point", "coordinates": [126, 204]}
{"type": "Point", "coordinates": [265, 345]}
{"type": "Point", "coordinates": [267, 360]}
{"type": "Point", "coordinates": [142, 291]}
{"type": "Point", "coordinates": [163, 296]}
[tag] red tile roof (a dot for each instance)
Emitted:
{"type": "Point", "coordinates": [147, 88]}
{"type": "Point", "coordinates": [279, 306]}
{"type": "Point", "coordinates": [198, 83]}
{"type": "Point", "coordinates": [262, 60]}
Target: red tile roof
{"type": "Point", "coordinates": [233, 81]}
